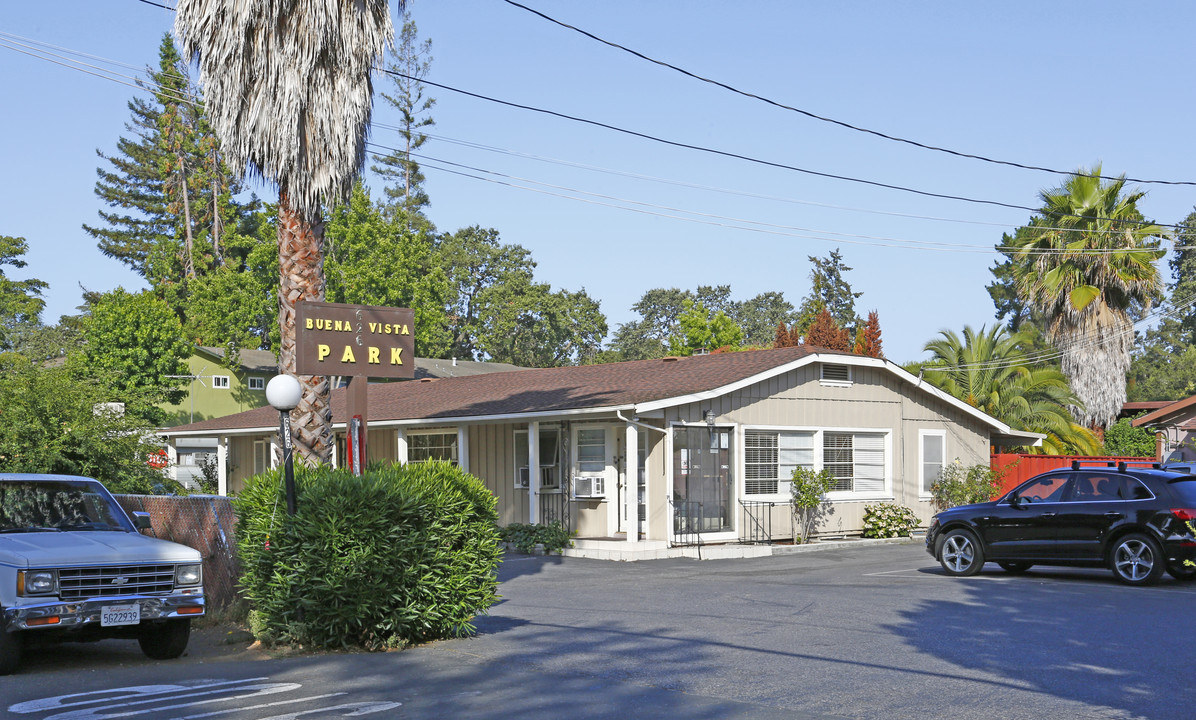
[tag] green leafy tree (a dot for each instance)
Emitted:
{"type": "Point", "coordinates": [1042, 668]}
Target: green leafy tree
{"type": "Point", "coordinates": [412, 65]}
{"type": "Point", "coordinates": [1085, 263]}
{"type": "Point", "coordinates": [701, 329]}
{"type": "Point", "coordinates": [830, 291]}
{"type": "Point", "coordinates": [53, 420]}
{"type": "Point", "coordinates": [526, 323]}
{"type": "Point", "coordinates": [959, 485]}
{"type": "Point", "coordinates": [759, 317]}
{"type": "Point", "coordinates": [660, 311]}
{"type": "Point", "coordinates": [133, 343]}
{"type": "Point", "coordinates": [21, 301]}
{"type": "Point", "coordinates": [989, 370]}
{"type": "Point", "coordinates": [477, 262]}
{"type": "Point", "coordinates": [373, 260]}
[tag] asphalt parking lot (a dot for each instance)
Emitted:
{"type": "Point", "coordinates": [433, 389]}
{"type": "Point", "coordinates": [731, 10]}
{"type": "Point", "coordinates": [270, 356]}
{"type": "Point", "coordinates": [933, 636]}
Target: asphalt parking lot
{"type": "Point", "coordinates": [878, 632]}
{"type": "Point", "coordinates": [874, 632]}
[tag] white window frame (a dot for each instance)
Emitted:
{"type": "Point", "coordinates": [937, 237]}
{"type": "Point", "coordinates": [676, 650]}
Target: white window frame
{"type": "Point", "coordinates": [923, 491]}
{"type": "Point", "coordinates": [835, 382]}
{"type": "Point", "coordinates": [609, 470]}
{"type": "Point", "coordinates": [554, 467]}
{"type": "Point", "coordinates": [783, 484]}
{"type": "Point", "coordinates": [265, 447]}
{"type": "Point", "coordinates": [450, 433]}
{"type": "Point", "coordinates": [886, 492]}
{"type": "Point", "coordinates": [220, 382]}
{"type": "Point", "coordinates": [256, 382]}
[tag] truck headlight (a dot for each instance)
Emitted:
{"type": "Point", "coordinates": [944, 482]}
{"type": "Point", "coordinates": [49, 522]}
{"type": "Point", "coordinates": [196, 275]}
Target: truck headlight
{"type": "Point", "coordinates": [186, 575]}
{"type": "Point", "coordinates": [37, 582]}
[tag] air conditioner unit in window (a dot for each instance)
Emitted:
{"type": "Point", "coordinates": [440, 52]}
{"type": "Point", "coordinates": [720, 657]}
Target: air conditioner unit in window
{"type": "Point", "coordinates": [522, 478]}
{"type": "Point", "coordinates": [589, 486]}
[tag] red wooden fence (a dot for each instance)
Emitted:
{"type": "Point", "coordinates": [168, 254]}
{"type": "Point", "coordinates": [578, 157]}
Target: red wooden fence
{"type": "Point", "coordinates": [1016, 468]}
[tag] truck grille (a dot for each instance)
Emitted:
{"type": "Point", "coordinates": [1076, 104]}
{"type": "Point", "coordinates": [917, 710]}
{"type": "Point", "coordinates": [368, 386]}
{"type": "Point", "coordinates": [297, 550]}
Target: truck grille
{"type": "Point", "coordinates": [82, 583]}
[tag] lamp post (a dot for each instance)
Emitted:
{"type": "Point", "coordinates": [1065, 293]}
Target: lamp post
{"type": "Point", "coordinates": [283, 393]}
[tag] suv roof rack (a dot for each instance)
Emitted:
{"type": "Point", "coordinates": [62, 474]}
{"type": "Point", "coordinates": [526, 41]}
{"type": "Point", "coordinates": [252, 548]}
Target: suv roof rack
{"type": "Point", "coordinates": [1122, 465]}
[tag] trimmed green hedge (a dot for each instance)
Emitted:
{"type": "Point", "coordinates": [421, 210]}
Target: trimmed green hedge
{"type": "Point", "coordinates": [400, 555]}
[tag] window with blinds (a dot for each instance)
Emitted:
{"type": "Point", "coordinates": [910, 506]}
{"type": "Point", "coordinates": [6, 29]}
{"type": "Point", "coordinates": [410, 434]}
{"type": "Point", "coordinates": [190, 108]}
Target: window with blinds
{"type": "Point", "coordinates": [855, 460]}
{"type": "Point", "coordinates": [771, 456]}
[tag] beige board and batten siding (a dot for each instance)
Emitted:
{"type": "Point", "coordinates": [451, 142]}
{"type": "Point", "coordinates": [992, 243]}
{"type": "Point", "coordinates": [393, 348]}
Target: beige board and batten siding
{"type": "Point", "coordinates": [876, 399]}
{"type": "Point", "coordinates": [492, 458]}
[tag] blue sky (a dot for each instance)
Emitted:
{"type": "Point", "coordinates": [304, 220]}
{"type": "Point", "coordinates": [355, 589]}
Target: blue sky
{"type": "Point", "coordinates": [1059, 85]}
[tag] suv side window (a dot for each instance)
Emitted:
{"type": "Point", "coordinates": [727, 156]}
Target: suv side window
{"type": "Point", "coordinates": [1044, 489]}
{"type": "Point", "coordinates": [1097, 487]}
{"type": "Point", "coordinates": [1133, 489]}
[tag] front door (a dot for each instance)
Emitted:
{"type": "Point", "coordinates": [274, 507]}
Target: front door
{"type": "Point", "coordinates": [702, 479]}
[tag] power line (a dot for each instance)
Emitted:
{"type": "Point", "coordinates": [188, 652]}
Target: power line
{"type": "Point", "coordinates": [738, 156]}
{"type": "Point", "coordinates": [709, 188]}
{"type": "Point", "coordinates": [832, 121]}
{"type": "Point", "coordinates": [712, 151]}
{"type": "Point", "coordinates": [731, 222]}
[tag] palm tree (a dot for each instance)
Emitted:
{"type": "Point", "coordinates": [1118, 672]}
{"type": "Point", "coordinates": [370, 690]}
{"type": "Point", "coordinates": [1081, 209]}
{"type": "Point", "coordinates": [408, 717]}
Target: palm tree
{"type": "Point", "coordinates": [287, 90]}
{"type": "Point", "coordinates": [989, 370]}
{"type": "Point", "coordinates": [1086, 264]}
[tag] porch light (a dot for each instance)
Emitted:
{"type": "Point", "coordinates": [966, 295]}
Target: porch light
{"type": "Point", "coordinates": [708, 416]}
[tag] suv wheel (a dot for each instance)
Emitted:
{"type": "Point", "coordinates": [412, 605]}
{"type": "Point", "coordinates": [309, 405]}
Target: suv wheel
{"type": "Point", "coordinates": [165, 640]}
{"type": "Point", "coordinates": [960, 554]}
{"type": "Point", "coordinates": [10, 651]}
{"type": "Point", "coordinates": [1137, 560]}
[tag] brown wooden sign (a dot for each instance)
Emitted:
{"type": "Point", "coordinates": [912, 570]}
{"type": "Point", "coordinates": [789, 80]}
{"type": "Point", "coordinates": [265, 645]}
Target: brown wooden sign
{"type": "Point", "coordinates": [354, 340]}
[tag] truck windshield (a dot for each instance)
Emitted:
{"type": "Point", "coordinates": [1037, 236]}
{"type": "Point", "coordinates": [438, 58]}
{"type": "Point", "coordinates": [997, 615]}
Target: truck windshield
{"type": "Point", "coordinates": [32, 506]}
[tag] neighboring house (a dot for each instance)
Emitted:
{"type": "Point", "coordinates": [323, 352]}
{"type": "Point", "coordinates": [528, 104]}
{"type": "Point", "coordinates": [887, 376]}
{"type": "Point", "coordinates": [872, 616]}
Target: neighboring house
{"type": "Point", "coordinates": [710, 442]}
{"type": "Point", "coordinates": [215, 390]}
{"type": "Point", "coordinates": [1174, 425]}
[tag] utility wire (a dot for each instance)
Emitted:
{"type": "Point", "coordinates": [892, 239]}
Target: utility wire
{"type": "Point", "coordinates": [738, 156]}
{"type": "Point", "coordinates": [728, 222]}
{"type": "Point", "coordinates": [713, 151]}
{"type": "Point", "coordinates": [840, 123]}
{"type": "Point", "coordinates": [709, 188]}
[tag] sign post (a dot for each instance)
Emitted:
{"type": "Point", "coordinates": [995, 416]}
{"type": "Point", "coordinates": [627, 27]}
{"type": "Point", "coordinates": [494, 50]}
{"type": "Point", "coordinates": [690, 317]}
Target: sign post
{"type": "Point", "coordinates": [358, 341]}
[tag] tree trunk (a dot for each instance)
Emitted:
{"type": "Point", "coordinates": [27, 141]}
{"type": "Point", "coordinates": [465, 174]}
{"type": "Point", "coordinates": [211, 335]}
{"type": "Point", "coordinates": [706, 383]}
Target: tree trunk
{"type": "Point", "coordinates": [301, 277]}
{"type": "Point", "coordinates": [189, 247]}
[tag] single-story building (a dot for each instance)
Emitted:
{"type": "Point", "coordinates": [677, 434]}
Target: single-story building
{"type": "Point", "coordinates": [1174, 425]}
{"type": "Point", "coordinates": [663, 450]}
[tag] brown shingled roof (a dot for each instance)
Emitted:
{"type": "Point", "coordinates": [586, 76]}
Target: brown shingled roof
{"type": "Point", "coordinates": [541, 390]}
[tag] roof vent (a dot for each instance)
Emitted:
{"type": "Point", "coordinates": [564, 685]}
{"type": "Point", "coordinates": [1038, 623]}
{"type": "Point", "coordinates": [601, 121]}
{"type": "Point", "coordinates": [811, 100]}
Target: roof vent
{"type": "Point", "coordinates": [427, 379]}
{"type": "Point", "coordinates": [670, 358]}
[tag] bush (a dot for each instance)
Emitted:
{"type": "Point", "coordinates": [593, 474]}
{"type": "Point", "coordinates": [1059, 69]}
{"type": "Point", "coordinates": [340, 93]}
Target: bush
{"type": "Point", "coordinates": [1125, 440]}
{"type": "Point", "coordinates": [887, 520]}
{"type": "Point", "coordinates": [400, 555]}
{"type": "Point", "coordinates": [808, 496]}
{"type": "Point", "coordinates": [964, 486]}
{"type": "Point", "coordinates": [553, 537]}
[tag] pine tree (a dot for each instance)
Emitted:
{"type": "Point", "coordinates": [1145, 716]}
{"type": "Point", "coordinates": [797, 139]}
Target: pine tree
{"type": "Point", "coordinates": [867, 337]}
{"type": "Point", "coordinates": [826, 333]}
{"type": "Point", "coordinates": [413, 63]}
{"type": "Point", "coordinates": [781, 337]}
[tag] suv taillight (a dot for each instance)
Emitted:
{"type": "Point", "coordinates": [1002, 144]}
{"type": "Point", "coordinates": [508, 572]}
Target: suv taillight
{"type": "Point", "coordinates": [1185, 514]}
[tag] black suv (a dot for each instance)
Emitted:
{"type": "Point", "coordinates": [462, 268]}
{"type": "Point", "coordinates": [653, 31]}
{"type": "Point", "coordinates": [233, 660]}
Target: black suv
{"type": "Point", "coordinates": [1137, 521]}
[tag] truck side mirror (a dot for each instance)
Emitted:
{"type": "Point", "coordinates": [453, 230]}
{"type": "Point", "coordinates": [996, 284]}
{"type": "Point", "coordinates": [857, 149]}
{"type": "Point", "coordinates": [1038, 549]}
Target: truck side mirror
{"type": "Point", "coordinates": [141, 521]}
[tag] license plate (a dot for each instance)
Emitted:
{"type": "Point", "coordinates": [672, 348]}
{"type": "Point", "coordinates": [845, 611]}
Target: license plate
{"type": "Point", "coordinates": [120, 615]}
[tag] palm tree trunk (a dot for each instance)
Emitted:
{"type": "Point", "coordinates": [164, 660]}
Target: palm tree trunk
{"type": "Point", "coordinates": [301, 277]}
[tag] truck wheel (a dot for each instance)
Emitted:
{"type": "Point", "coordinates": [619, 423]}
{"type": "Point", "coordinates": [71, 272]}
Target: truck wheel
{"type": "Point", "coordinates": [165, 640]}
{"type": "Point", "coordinates": [10, 652]}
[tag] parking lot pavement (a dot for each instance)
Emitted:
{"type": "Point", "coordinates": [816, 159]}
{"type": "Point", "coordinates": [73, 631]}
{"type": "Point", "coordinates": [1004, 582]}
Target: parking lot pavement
{"type": "Point", "coordinates": [874, 632]}
{"type": "Point", "coordinates": [877, 632]}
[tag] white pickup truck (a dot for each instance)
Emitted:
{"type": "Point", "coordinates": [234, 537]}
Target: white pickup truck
{"type": "Point", "coordinates": [74, 566]}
